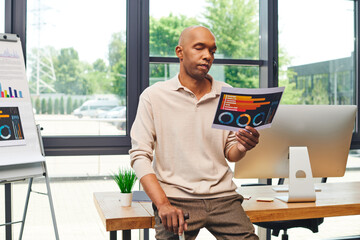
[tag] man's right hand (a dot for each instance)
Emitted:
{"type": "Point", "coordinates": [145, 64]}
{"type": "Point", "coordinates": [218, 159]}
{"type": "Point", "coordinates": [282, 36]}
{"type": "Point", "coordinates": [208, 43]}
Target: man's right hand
{"type": "Point", "coordinates": [172, 218]}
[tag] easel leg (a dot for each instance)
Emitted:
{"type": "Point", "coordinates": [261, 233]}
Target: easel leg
{"type": "Point", "coordinates": [51, 204]}
{"type": "Point", "coordinates": [47, 183]}
{"type": "Point", "coordinates": [8, 208]}
{"type": "Point", "coordinates": [25, 208]}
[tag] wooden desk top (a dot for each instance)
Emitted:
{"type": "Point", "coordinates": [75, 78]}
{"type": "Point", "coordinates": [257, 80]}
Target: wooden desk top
{"type": "Point", "coordinates": [334, 199]}
{"type": "Point", "coordinates": [115, 217]}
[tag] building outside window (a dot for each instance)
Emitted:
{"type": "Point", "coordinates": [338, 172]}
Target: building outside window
{"type": "Point", "coordinates": [317, 51]}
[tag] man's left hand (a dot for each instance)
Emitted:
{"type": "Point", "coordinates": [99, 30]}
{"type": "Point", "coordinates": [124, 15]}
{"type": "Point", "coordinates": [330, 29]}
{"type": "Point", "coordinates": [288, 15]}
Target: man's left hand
{"type": "Point", "coordinates": [247, 138]}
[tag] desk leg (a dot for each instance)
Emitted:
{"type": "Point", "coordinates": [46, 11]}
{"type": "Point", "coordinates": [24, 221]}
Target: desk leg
{"type": "Point", "coordinates": [146, 234]}
{"type": "Point", "coordinates": [113, 235]}
{"type": "Point", "coordinates": [126, 234]}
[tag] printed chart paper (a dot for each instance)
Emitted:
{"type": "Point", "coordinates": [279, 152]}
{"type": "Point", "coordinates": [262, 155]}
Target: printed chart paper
{"type": "Point", "coordinates": [241, 107]}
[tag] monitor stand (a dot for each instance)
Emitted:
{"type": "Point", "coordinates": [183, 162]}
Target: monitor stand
{"type": "Point", "coordinates": [301, 182]}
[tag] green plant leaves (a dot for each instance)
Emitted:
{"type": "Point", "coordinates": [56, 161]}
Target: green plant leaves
{"type": "Point", "coordinates": [125, 179]}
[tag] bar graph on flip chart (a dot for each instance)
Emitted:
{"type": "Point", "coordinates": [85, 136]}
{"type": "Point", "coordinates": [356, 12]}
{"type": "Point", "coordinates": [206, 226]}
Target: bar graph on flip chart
{"type": "Point", "coordinates": [9, 53]}
{"type": "Point", "coordinates": [10, 92]}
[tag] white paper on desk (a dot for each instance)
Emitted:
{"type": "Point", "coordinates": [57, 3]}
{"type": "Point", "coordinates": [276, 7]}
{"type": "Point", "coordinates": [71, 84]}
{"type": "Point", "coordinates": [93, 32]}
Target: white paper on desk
{"type": "Point", "coordinates": [241, 107]}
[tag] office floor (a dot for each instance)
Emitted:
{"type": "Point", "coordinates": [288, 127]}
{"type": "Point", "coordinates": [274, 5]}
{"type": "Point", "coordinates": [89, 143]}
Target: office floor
{"type": "Point", "coordinates": [78, 219]}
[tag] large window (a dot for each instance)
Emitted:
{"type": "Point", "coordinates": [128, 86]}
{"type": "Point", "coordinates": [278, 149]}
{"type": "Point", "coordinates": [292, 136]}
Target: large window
{"type": "Point", "coordinates": [76, 66]}
{"type": "Point", "coordinates": [81, 54]}
{"type": "Point", "coordinates": [316, 52]}
{"type": "Point", "coordinates": [236, 32]}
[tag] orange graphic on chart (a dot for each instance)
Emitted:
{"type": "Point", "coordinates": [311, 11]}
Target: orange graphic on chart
{"type": "Point", "coordinates": [4, 115]}
{"type": "Point", "coordinates": [241, 103]}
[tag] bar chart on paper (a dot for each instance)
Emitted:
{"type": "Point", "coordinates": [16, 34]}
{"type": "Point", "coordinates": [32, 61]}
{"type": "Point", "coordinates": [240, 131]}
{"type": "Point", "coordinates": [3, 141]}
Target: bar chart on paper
{"type": "Point", "coordinates": [10, 92]}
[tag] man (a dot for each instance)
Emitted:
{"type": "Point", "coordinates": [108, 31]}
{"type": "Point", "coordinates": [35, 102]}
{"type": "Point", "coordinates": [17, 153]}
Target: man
{"type": "Point", "coordinates": [190, 173]}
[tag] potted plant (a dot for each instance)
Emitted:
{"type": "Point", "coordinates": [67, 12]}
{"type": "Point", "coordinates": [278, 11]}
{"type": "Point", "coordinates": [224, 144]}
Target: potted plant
{"type": "Point", "coordinates": [125, 179]}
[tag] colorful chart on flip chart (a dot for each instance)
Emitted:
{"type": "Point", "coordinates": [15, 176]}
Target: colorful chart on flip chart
{"type": "Point", "coordinates": [11, 130]}
{"type": "Point", "coordinates": [240, 107]}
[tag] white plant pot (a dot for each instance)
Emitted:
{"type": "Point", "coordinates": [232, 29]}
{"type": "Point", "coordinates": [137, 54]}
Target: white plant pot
{"type": "Point", "coordinates": [126, 199]}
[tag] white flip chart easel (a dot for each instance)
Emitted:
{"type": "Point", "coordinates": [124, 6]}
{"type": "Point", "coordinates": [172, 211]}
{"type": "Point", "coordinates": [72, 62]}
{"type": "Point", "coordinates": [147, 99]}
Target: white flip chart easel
{"type": "Point", "coordinates": [21, 151]}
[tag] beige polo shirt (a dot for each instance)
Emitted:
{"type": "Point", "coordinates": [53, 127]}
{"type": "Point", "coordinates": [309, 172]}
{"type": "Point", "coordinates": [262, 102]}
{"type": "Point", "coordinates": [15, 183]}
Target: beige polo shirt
{"type": "Point", "coordinates": [189, 155]}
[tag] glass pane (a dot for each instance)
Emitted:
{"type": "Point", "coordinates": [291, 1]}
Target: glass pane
{"type": "Point", "coordinates": [76, 66]}
{"type": "Point", "coordinates": [317, 52]}
{"type": "Point", "coordinates": [236, 76]}
{"type": "Point", "coordinates": [236, 31]}
{"type": "Point", "coordinates": [2, 16]}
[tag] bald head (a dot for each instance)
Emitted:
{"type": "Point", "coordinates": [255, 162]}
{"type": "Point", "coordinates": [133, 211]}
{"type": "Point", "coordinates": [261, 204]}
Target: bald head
{"type": "Point", "coordinates": [187, 34]}
{"type": "Point", "coordinates": [196, 52]}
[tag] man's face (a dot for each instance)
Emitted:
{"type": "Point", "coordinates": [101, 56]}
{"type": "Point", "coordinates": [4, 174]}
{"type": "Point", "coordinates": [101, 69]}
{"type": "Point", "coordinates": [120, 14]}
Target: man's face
{"type": "Point", "coordinates": [197, 52]}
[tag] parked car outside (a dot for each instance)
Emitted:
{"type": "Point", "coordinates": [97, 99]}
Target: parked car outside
{"type": "Point", "coordinates": [116, 113]}
{"type": "Point", "coordinates": [93, 108]}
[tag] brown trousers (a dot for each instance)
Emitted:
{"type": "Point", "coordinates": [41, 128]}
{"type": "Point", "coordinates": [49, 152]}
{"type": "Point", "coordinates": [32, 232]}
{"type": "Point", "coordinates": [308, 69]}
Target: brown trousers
{"type": "Point", "coordinates": [223, 217]}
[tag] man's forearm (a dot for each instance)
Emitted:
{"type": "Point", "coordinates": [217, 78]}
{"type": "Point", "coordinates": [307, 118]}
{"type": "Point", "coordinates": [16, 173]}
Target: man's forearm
{"type": "Point", "coordinates": [235, 154]}
{"type": "Point", "coordinates": [154, 190]}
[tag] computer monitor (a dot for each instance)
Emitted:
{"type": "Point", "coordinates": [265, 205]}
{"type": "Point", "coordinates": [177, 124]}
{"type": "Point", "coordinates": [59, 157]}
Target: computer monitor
{"type": "Point", "coordinates": [324, 131]}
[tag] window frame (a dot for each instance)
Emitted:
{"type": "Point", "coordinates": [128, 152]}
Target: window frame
{"type": "Point", "coordinates": [355, 142]}
{"type": "Point", "coordinates": [137, 35]}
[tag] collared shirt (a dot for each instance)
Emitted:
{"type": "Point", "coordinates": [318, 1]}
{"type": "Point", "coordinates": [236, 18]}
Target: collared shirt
{"type": "Point", "coordinates": [190, 156]}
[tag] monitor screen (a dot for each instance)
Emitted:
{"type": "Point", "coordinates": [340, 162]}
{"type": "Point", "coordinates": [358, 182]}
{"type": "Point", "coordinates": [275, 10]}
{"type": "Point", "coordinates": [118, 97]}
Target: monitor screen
{"type": "Point", "coordinates": [11, 130]}
{"type": "Point", "coordinates": [326, 131]}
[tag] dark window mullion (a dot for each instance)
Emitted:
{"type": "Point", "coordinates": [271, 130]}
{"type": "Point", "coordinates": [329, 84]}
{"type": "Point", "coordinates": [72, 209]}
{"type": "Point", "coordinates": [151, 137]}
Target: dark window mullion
{"type": "Point", "coordinates": [355, 143]}
{"type": "Point", "coordinates": [86, 145]}
{"type": "Point", "coordinates": [137, 54]}
{"type": "Point", "coordinates": [225, 61]}
{"type": "Point", "coordinates": [269, 43]}
{"type": "Point", "coordinates": [15, 20]}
